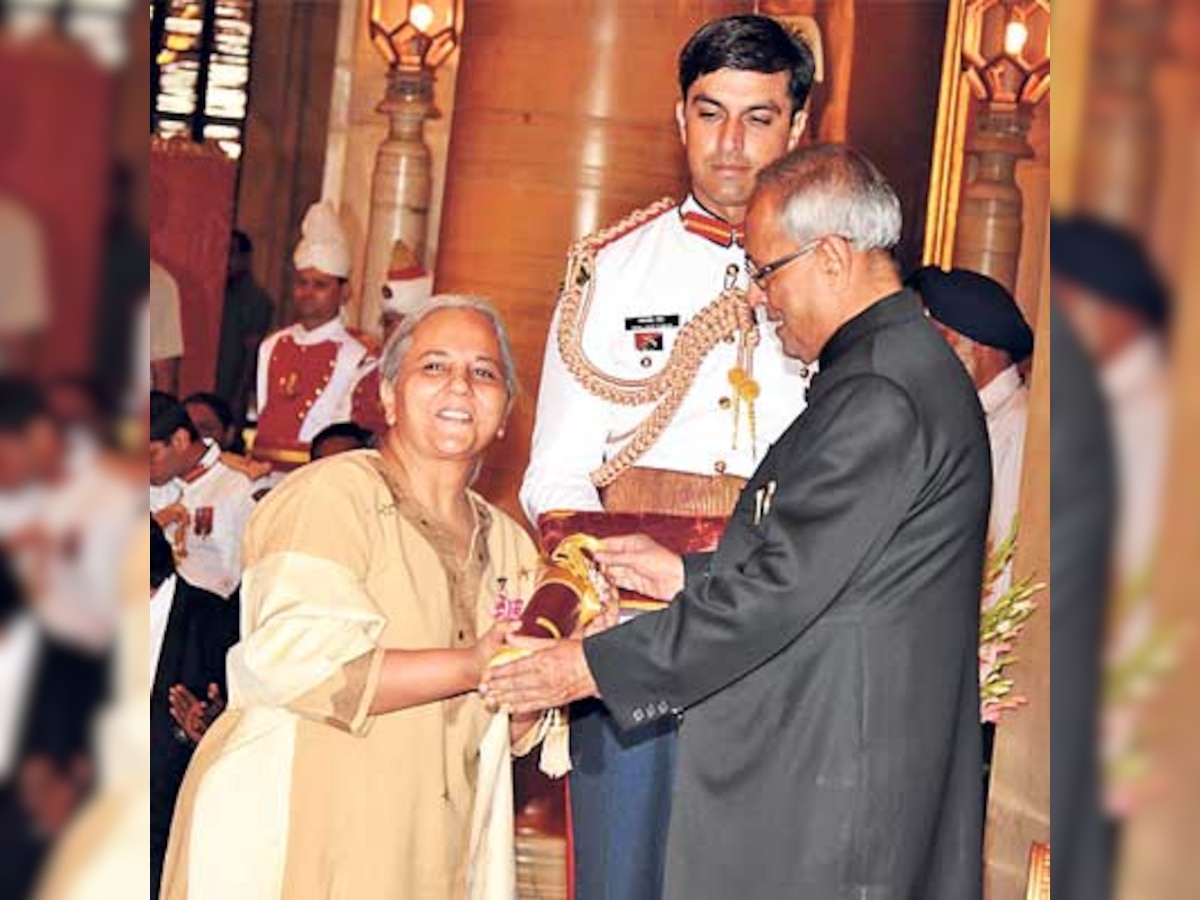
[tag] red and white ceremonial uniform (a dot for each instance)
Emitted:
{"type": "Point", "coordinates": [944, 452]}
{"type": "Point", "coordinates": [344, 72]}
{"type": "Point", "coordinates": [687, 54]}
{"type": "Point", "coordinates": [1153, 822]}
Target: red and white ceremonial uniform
{"type": "Point", "coordinates": [306, 381]}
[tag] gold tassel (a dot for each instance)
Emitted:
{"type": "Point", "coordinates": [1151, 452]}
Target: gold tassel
{"type": "Point", "coordinates": [555, 760]}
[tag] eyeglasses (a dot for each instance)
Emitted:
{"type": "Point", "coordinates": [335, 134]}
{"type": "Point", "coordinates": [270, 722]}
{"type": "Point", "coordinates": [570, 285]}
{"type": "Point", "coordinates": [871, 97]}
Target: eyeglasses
{"type": "Point", "coordinates": [761, 274]}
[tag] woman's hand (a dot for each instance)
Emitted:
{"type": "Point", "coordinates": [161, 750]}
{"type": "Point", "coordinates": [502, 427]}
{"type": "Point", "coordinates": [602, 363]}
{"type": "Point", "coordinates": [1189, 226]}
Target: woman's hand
{"type": "Point", "coordinates": [489, 645]}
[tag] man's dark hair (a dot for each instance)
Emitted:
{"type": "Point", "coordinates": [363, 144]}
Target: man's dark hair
{"type": "Point", "coordinates": [21, 404]}
{"type": "Point", "coordinates": [162, 559]}
{"type": "Point", "coordinates": [345, 430]}
{"type": "Point", "coordinates": [242, 241]}
{"type": "Point", "coordinates": [168, 415]}
{"type": "Point", "coordinates": [220, 407]}
{"type": "Point", "coordinates": [751, 44]}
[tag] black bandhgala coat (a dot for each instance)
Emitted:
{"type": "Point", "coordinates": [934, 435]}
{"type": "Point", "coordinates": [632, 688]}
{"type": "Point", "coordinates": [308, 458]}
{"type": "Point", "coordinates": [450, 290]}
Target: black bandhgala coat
{"type": "Point", "coordinates": [823, 659]}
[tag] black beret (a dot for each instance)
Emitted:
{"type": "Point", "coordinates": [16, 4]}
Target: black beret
{"type": "Point", "coordinates": [976, 306]}
{"type": "Point", "coordinates": [1109, 263]}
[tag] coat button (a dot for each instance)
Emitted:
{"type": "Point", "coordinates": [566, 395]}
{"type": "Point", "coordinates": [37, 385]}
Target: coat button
{"type": "Point", "coordinates": [724, 403]}
{"type": "Point", "coordinates": [719, 467]}
{"type": "Point", "coordinates": [638, 715]}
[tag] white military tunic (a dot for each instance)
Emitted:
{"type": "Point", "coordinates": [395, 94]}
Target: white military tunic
{"type": "Point", "coordinates": [648, 284]}
{"type": "Point", "coordinates": [1005, 402]}
{"type": "Point", "coordinates": [214, 559]}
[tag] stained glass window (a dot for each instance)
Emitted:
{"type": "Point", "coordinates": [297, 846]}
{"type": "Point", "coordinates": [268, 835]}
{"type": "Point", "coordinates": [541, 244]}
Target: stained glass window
{"type": "Point", "coordinates": [201, 69]}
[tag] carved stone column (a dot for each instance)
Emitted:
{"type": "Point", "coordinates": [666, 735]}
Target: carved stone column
{"type": "Point", "coordinates": [988, 235]}
{"type": "Point", "coordinates": [400, 188]}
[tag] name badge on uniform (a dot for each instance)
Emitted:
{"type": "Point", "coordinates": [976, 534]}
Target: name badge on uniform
{"type": "Point", "coordinates": [651, 323]}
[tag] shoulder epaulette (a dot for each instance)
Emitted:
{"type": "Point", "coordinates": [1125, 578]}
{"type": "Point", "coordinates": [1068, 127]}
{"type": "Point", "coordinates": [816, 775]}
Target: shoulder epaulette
{"type": "Point", "coordinates": [631, 222]}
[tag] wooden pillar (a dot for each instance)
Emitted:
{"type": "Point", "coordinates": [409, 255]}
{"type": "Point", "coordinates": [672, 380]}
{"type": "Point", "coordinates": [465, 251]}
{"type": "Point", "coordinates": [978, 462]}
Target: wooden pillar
{"type": "Point", "coordinates": [563, 122]}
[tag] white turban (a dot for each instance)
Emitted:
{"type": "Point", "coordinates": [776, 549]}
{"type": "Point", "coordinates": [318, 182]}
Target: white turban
{"type": "Point", "coordinates": [323, 243]}
{"type": "Point", "coordinates": [407, 285]}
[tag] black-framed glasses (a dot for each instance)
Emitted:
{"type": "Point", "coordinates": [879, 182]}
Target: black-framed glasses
{"type": "Point", "coordinates": [760, 274]}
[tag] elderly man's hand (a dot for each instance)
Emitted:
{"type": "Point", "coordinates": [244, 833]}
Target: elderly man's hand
{"type": "Point", "coordinates": [636, 563]}
{"type": "Point", "coordinates": [548, 678]}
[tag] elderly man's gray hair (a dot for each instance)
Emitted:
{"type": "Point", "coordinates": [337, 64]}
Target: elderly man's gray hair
{"type": "Point", "coordinates": [398, 345]}
{"type": "Point", "coordinates": [832, 189]}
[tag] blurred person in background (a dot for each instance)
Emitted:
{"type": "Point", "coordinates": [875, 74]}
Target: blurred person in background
{"type": "Point", "coordinates": [67, 516]}
{"type": "Point", "coordinates": [341, 437]}
{"type": "Point", "coordinates": [1117, 307]}
{"type": "Point", "coordinates": [1114, 300]}
{"type": "Point", "coordinates": [24, 301]}
{"type": "Point", "coordinates": [201, 502]}
{"type": "Point", "coordinates": [84, 408]}
{"type": "Point", "coordinates": [24, 424]}
{"type": "Point", "coordinates": [355, 758]}
{"type": "Point", "coordinates": [121, 344]}
{"type": "Point", "coordinates": [985, 328]}
{"type": "Point", "coordinates": [245, 320]}
{"type": "Point", "coordinates": [49, 694]}
{"type": "Point", "coordinates": [191, 630]}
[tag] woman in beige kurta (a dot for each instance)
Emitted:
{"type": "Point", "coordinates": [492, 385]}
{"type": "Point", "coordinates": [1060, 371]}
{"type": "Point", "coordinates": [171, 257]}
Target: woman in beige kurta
{"type": "Point", "coordinates": [355, 760]}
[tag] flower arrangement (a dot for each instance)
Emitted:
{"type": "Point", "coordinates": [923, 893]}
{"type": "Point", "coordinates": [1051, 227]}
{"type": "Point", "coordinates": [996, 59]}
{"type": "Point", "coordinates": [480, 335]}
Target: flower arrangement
{"type": "Point", "coordinates": [1002, 618]}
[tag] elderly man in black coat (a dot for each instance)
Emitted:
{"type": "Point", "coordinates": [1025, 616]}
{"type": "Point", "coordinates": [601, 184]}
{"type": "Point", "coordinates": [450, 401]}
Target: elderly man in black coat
{"type": "Point", "coordinates": [823, 660]}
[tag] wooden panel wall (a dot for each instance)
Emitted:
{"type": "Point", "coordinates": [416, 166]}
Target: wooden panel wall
{"type": "Point", "coordinates": [562, 123]}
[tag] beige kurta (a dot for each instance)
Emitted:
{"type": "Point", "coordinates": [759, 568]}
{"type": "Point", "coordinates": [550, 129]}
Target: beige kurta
{"type": "Point", "coordinates": [296, 792]}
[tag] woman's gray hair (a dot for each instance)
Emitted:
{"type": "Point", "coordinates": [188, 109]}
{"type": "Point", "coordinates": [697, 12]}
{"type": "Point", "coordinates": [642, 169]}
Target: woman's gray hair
{"type": "Point", "coordinates": [832, 189]}
{"type": "Point", "coordinates": [398, 345]}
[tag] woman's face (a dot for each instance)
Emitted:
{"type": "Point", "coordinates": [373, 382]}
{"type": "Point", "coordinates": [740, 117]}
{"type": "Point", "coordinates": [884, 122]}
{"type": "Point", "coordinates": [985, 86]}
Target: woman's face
{"type": "Point", "coordinates": [449, 399]}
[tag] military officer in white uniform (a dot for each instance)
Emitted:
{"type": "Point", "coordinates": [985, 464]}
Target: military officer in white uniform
{"type": "Point", "coordinates": [659, 394]}
{"type": "Point", "coordinates": [201, 503]}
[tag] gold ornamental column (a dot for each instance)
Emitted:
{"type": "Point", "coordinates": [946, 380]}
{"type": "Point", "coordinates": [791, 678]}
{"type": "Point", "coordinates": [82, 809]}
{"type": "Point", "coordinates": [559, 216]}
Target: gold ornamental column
{"type": "Point", "coordinates": [563, 122]}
